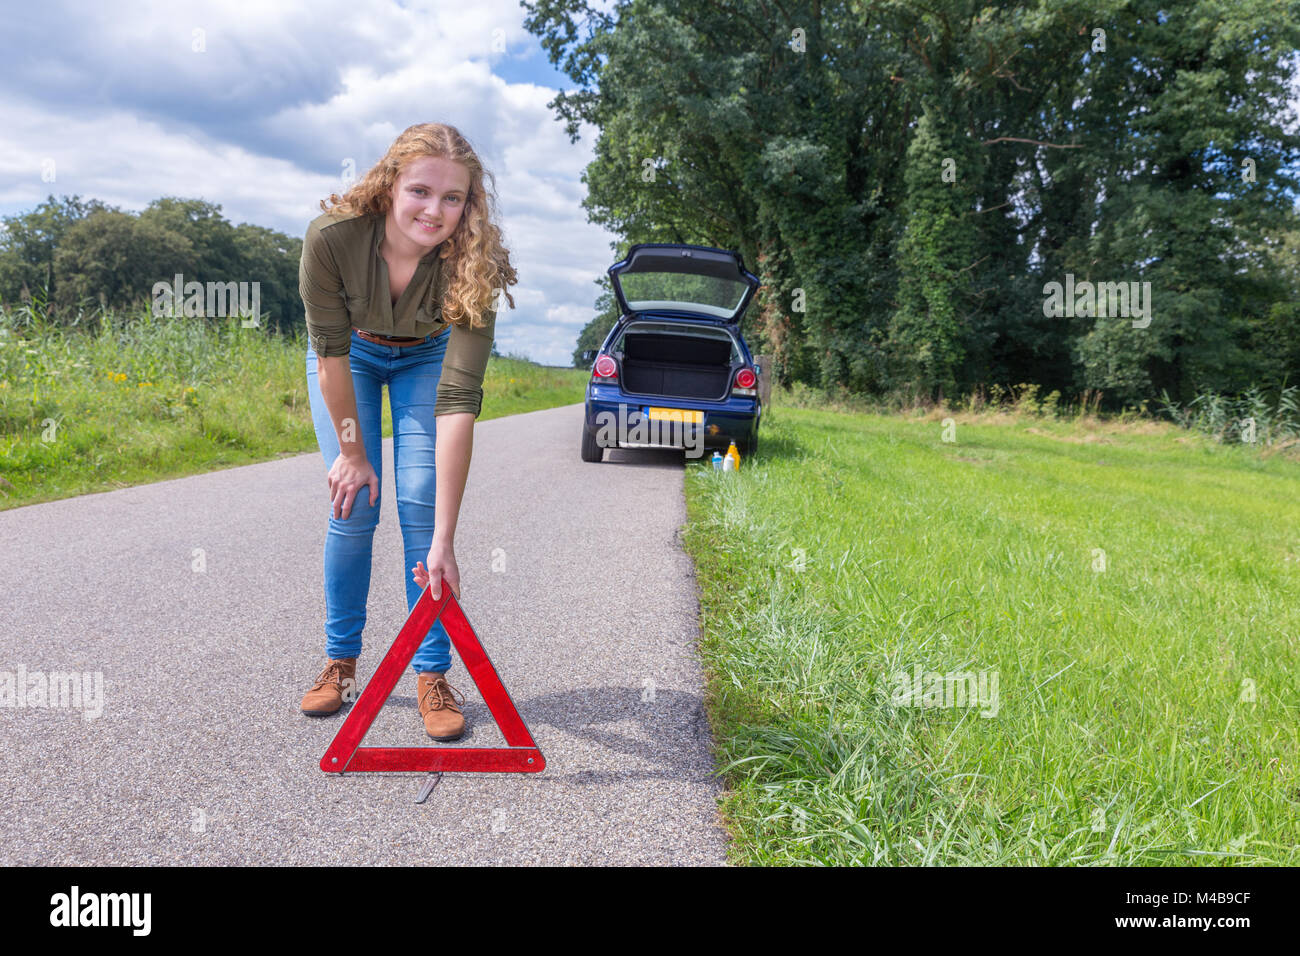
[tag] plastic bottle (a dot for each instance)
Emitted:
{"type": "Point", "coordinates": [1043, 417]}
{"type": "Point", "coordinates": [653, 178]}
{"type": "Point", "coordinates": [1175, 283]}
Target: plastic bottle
{"type": "Point", "coordinates": [729, 463]}
{"type": "Point", "coordinates": [717, 460]}
{"type": "Point", "coordinates": [734, 452]}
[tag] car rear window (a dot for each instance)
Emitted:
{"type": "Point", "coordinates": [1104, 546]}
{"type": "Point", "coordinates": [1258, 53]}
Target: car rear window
{"type": "Point", "coordinates": [712, 295]}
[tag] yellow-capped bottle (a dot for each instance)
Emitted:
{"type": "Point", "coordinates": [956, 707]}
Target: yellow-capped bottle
{"type": "Point", "coordinates": [734, 453]}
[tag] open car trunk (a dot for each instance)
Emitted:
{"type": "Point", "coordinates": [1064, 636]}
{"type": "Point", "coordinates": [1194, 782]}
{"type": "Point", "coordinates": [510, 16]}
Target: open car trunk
{"type": "Point", "coordinates": [677, 365]}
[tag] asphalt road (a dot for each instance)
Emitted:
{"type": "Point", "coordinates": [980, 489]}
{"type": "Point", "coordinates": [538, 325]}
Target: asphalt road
{"type": "Point", "coordinates": [200, 755]}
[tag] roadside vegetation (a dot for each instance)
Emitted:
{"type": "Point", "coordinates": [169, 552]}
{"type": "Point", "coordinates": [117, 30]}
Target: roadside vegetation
{"type": "Point", "coordinates": [128, 398]}
{"type": "Point", "coordinates": [1115, 597]}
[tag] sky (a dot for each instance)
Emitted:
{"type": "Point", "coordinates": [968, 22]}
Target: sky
{"type": "Point", "coordinates": [283, 92]}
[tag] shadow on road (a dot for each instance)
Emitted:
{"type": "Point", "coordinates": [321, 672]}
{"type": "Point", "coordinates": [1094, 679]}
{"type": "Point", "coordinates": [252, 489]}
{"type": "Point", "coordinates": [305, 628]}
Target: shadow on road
{"type": "Point", "coordinates": [643, 457]}
{"type": "Point", "coordinates": [668, 722]}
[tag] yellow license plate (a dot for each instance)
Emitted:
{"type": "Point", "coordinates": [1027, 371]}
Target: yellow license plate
{"type": "Point", "coordinates": [676, 415]}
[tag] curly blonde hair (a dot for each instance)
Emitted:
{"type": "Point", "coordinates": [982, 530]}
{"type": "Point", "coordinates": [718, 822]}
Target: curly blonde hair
{"type": "Point", "coordinates": [477, 263]}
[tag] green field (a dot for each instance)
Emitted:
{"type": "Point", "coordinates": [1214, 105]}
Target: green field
{"type": "Point", "coordinates": [1134, 589]}
{"type": "Point", "coordinates": [144, 399]}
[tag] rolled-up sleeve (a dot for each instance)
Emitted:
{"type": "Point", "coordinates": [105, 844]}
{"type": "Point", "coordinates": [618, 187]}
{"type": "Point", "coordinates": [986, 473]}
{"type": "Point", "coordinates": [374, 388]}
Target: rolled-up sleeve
{"type": "Point", "coordinates": [329, 328]}
{"type": "Point", "coordinates": [460, 389]}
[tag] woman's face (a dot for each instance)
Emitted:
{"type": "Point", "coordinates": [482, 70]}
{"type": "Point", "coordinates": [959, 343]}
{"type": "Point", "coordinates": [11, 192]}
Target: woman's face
{"type": "Point", "coordinates": [428, 199]}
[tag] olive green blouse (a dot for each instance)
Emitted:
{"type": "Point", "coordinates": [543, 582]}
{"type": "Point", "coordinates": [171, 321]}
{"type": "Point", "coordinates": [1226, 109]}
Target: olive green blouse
{"type": "Point", "coordinates": [343, 281]}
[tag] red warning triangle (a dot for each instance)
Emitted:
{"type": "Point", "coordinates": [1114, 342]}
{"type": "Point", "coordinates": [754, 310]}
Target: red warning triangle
{"type": "Point", "coordinates": [521, 755]}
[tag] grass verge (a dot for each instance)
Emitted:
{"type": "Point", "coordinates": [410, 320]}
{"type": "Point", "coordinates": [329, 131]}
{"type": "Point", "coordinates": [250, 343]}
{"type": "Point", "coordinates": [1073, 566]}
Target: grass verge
{"type": "Point", "coordinates": [1116, 600]}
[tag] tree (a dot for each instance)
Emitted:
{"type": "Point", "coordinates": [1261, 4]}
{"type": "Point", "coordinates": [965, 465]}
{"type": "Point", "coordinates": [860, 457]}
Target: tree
{"type": "Point", "coordinates": [28, 242]}
{"type": "Point", "coordinates": [271, 259]}
{"type": "Point", "coordinates": [936, 254]}
{"type": "Point", "coordinates": [115, 255]}
{"type": "Point", "coordinates": [1101, 139]}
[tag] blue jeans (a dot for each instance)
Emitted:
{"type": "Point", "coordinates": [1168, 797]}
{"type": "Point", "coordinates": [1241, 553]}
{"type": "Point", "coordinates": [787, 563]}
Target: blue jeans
{"type": "Point", "coordinates": [412, 373]}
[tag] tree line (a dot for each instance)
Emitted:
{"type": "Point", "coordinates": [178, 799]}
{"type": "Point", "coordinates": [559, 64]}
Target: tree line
{"type": "Point", "coordinates": [919, 184]}
{"type": "Point", "coordinates": [76, 256]}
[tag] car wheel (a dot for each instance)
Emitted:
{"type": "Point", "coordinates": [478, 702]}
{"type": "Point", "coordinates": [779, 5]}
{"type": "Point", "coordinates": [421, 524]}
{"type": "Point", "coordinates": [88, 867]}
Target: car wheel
{"type": "Point", "coordinates": [591, 451]}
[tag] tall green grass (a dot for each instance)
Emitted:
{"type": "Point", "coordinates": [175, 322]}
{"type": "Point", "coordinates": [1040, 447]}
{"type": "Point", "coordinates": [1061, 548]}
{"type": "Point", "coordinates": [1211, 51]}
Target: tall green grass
{"type": "Point", "coordinates": [1252, 417]}
{"type": "Point", "coordinates": [1148, 704]}
{"type": "Point", "coordinates": [121, 398]}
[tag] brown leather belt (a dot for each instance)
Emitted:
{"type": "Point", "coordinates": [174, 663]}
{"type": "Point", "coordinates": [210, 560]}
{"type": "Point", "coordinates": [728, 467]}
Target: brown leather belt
{"type": "Point", "coordinates": [385, 339]}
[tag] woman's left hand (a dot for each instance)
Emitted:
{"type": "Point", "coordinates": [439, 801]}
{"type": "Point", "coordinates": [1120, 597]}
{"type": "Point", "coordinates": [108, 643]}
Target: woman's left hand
{"type": "Point", "coordinates": [442, 564]}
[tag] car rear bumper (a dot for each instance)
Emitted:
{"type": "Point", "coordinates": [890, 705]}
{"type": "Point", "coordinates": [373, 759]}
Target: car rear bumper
{"type": "Point", "coordinates": [618, 420]}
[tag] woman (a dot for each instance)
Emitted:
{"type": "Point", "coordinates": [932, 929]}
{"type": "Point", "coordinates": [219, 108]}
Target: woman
{"type": "Point", "coordinates": [398, 278]}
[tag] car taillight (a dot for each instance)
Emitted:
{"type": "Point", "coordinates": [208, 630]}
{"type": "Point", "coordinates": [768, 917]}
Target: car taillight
{"type": "Point", "coordinates": [745, 382]}
{"type": "Point", "coordinates": [606, 368]}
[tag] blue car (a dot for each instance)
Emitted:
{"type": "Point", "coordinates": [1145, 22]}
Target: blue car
{"type": "Point", "coordinates": [675, 372]}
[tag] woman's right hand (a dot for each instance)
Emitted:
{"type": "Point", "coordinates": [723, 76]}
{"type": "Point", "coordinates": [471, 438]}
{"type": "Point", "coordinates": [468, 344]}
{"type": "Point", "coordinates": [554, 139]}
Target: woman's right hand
{"type": "Point", "coordinates": [347, 477]}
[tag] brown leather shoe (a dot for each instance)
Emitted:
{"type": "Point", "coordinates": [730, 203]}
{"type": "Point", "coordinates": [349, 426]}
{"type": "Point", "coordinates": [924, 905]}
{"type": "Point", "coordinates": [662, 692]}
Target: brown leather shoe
{"type": "Point", "coordinates": [326, 695]}
{"type": "Point", "coordinates": [442, 717]}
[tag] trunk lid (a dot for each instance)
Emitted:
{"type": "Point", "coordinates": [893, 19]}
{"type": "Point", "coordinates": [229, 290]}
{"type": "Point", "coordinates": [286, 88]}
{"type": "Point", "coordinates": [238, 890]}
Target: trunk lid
{"type": "Point", "coordinates": [696, 282]}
